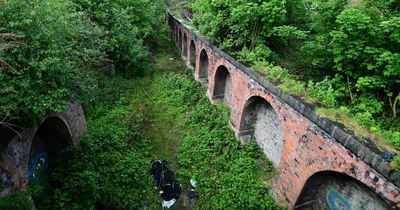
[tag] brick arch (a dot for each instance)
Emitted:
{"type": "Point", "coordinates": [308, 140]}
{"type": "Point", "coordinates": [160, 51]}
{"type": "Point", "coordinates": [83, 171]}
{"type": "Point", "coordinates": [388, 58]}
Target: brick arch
{"type": "Point", "coordinates": [184, 45]}
{"type": "Point", "coordinates": [223, 88]}
{"type": "Point", "coordinates": [261, 122]}
{"type": "Point", "coordinates": [192, 59]}
{"type": "Point", "coordinates": [204, 66]}
{"type": "Point", "coordinates": [334, 190]}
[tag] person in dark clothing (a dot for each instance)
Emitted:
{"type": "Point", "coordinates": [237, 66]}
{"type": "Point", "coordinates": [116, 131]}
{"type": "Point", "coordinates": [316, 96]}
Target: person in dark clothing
{"type": "Point", "coordinates": [165, 180]}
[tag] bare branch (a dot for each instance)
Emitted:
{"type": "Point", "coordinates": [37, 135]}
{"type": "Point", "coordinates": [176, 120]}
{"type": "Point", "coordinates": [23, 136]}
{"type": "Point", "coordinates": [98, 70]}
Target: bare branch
{"type": "Point", "coordinates": [9, 45]}
{"type": "Point", "coordinates": [11, 35]}
{"type": "Point", "coordinates": [5, 121]}
{"type": "Point", "coordinates": [8, 67]}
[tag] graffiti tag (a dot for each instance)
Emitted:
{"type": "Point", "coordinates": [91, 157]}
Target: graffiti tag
{"type": "Point", "coordinates": [337, 201]}
{"type": "Point", "coordinates": [37, 166]}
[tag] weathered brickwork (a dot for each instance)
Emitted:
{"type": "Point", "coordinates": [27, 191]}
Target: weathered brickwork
{"type": "Point", "coordinates": [309, 145]}
{"type": "Point", "coordinates": [51, 135]}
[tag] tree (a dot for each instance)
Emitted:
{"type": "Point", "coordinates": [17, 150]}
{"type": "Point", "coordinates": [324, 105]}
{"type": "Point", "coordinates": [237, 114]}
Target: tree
{"type": "Point", "coordinates": [46, 68]}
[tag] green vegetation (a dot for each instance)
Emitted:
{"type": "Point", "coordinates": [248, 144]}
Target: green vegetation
{"type": "Point", "coordinates": [45, 59]}
{"type": "Point", "coordinates": [337, 54]}
{"type": "Point", "coordinates": [17, 201]}
{"type": "Point", "coordinates": [229, 176]}
{"type": "Point", "coordinates": [49, 50]}
{"type": "Point", "coordinates": [143, 105]}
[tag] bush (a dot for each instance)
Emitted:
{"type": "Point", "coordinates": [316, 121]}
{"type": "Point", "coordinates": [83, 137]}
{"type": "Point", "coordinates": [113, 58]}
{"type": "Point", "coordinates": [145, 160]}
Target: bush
{"type": "Point", "coordinates": [16, 201]}
{"type": "Point", "coordinates": [260, 54]}
{"type": "Point", "coordinates": [328, 91]}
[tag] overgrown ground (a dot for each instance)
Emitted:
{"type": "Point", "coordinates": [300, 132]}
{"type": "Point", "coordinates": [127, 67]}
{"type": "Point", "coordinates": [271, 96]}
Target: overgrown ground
{"type": "Point", "coordinates": [195, 136]}
{"type": "Point", "coordinates": [163, 114]}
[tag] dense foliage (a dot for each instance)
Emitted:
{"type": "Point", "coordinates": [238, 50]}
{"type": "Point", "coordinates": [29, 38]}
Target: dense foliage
{"type": "Point", "coordinates": [49, 49]}
{"type": "Point", "coordinates": [250, 27]}
{"type": "Point", "coordinates": [47, 65]}
{"type": "Point", "coordinates": [359, 42]}
{"type": "Point", "coordinates": [131, 27]}
{"type": "Point", "coordinates": [344, 54]}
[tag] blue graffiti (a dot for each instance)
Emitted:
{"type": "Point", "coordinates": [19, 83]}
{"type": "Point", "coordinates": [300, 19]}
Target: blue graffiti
{"type": "Point", "coordinates": [337, 201]}
{"type": "Point", "coordinates": [37, 166]}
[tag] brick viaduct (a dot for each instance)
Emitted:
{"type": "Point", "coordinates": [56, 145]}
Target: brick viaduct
{"type": "Point", "coordinates": [319, 166]}
{"type": "Point", "coordinates": [24, 155]}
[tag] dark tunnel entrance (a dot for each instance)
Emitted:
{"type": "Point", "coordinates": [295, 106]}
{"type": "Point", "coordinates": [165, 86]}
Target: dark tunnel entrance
{"type": "Point", "coordinates": [49, 147]}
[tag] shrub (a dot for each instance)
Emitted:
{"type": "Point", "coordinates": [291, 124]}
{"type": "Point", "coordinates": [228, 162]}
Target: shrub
{"type": "Point", "coordinates": [326, 92]}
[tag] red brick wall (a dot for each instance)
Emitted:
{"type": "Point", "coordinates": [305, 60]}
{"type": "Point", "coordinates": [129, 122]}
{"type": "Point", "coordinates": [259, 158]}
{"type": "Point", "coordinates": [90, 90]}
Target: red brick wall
{"type": "Point", "coordinates": [307, 148]}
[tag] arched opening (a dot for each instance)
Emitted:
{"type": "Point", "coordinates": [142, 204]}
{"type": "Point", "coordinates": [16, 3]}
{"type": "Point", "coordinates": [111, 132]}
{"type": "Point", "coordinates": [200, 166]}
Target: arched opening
{"type": "Point", "coordinates": [332, 190]}
{"type": "Point", "coordinates": [203, 73]}
{"type": "Point", "coordinates": [223, 86]}
{"type": "Point", "coordinates": [184, 45]}
{"type": "Point", "coordinates": [192, 54]}
{"type": "Point", "coordinates": [261, 122]}
{"type": "Point", "coordinates": [48, 148]}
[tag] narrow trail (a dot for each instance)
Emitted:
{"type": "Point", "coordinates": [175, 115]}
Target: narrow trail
{"type": "Point", "coordinates": [165, 127]}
